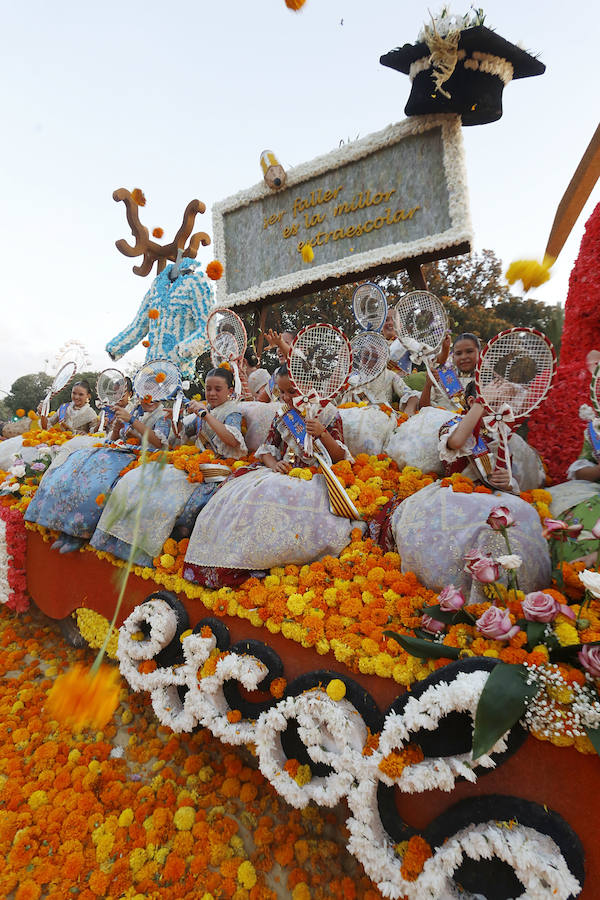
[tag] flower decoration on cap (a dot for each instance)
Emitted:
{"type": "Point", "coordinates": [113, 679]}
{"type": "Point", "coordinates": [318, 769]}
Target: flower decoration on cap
{"type": "Point", "coordinates": [224, 365]}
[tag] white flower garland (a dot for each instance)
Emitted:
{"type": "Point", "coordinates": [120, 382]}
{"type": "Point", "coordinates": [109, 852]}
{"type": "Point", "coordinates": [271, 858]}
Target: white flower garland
{"type": "Point", "coordinates": [334, 733]}
{"type": "Point", "coordinates": [460, 230]}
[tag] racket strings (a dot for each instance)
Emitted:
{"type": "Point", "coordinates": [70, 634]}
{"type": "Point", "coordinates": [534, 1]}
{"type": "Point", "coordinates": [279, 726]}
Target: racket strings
{"type": "Point", "coordinates": [320, 360]}
{"type": "Point", "coordinates": [157, 380]}
{"type": "Point", "coordinates": [110, 386]}
{"type": "Point", "coordinates": [517, 369]}
{"type": "Point", "coordinates": [422, 317]}
{"type": "Point", "coordinates": [370, 354]}
{"type": "Point", "coordinates": [226, 334]}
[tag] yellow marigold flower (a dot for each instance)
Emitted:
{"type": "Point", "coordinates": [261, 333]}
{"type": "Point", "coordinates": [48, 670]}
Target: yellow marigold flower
{"type": "Point", "coordinates": [272, 581]}
{"type": "Point", "coordinates": [296, 604]}
{"type": "Point", "coordinates": [303, 775]}
{"type": "Point", "coordinates": [384, 665]}
{"type": "Point", "coordinates": [246, 875]}
{"type": "Point", "coordinates": [301, 891]}
{"type": "Point", "coordinates": [137, 858]}
{"type": "Point", "coordinates": [37, 799]}
{"type": "Point", "coordinates": [562, 693]}
{"type": "Point", "coordinates": [336, 689]}
{"type": "Point", "coordinates": [566, 634]}
{"type": "Point", "coordinates": [184, 818]}
{"type": "Point", "coordinates": [83, 698]}
{"type": "Point", "coordinates": [126, 818]}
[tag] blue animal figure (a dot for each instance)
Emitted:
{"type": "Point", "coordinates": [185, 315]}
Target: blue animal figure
{"type": "Point", "coordinates": [183, 298]}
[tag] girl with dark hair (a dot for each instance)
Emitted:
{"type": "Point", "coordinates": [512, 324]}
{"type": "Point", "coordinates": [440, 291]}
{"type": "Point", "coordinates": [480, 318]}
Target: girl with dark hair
{"type": "Point", "coordinates": [173, 502]}
{"type": "Point", "coordinates": [262, 517]}
{"type": "Point", "coordinates": [465, 356]}
{"type": "Point", "coordinates": [456, 522]}
{"type": "Point", "coordinates": [76, 416]}
{"type": "Point", "coordinates": [67, 499]}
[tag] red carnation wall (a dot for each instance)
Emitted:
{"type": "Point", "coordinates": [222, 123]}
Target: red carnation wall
{"type": "Point", "coordinates": [556, 429]}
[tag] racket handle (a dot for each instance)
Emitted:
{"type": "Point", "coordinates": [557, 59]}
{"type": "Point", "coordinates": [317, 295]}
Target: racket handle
{"type": "Point", "coordinates": [501, 460]}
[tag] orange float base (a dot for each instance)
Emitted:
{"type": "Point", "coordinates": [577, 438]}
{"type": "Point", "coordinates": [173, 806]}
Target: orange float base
{"type": "Point", "coordinates": [562, 779]}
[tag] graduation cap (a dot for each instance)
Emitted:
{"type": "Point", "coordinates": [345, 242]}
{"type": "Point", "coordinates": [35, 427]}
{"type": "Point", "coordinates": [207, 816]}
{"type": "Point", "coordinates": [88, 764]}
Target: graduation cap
{"type": "Point", "coordinates": [485, 63]}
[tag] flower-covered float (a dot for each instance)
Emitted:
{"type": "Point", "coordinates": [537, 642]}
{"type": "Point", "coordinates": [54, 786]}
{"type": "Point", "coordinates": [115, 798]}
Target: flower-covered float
{"type": "Point", "coordinates": [352, 681]}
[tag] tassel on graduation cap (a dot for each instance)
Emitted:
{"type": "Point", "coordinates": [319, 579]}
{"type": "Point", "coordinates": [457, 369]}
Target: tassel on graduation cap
{"type": "Point", "coordinates": [533, 273]}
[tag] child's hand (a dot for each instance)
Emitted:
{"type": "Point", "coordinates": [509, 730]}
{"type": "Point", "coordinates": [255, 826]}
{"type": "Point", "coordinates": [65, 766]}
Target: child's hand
{"type": "Point", "coordinates": [273, 339]}
{"type": "Point", "coordinates": [444, 350]}
{"type": "Point", "coordinates": [315, 428]}
{"type": "Point", "coordinates": [194, 406]}
{"type": "Point", "coordinates": [122, 414]}
{"type": "Point", "coordinates": [500, 479]}
{"type": "Point", "coordinates": [282, 467]}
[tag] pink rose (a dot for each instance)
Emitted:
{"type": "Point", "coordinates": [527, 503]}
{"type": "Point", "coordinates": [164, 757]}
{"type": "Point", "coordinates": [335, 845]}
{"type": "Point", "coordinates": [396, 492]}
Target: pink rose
{"type": "Point", "coordinates": [596, 529]}
{"type": "Point", "coordinates": [495, 624]}
{"type": "Point", "coordinates": [451, 599]}
{"type": "Point", "coordinates": [541, 607]}
{"type": "Point", "coordinates": [552, 525]}
{"type": "Point", "coordinates": [433, 626]}
{"type": "Point", "coordinates": [589, 657]}
{"type": "Point", "coordinates": [482, 568]}
{"type": "Point", "coordinates": [500, 517]}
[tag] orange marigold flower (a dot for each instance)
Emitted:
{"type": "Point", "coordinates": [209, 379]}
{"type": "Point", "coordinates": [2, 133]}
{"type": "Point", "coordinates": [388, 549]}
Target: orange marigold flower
{"type": "Point", "coordinates": [146, 666]}
{"type": "Point", "coordinates": [145, 343]}
{"type": "Point", "coordinates": [160, 377]}
{"type": "Point", "coordinates": [101, 499]}
{"type": "Point", "coordinates": [417, 852]}
{"type": "Point", "coordinates": [137, 195]}
{"type": "Point", "coordinates": [295, 5]}
{"type": "Point", "coordinates": [395, 762]}
{"type": "Point", "coordinates": [233, 716]}
{"type": "Point", "coordinates": [20, 413]}
{"type": "Point", "coordinates": [153, 313]}
{"type": "Point", "coordinates": [83, 698]}
{"type": "Point", "coordinates": [277, 687]}
{"type": "Point", "coordinates": [157, 232]}
{"type": "Point", "coordinates": [214, 270]}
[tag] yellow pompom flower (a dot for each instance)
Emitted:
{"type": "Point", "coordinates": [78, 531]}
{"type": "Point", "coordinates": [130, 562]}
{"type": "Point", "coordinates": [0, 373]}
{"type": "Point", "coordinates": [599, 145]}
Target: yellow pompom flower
{"type": "Point", "coordinates": [336, 689]}
{"type": "Point", "coordinates": [184, 818]}
{"type": "Point", "coordinates": [307, 252]}
{"type": "Point", "coordinates": [566, 634]}
{"type": "Point", "coordinates": [246, 875]}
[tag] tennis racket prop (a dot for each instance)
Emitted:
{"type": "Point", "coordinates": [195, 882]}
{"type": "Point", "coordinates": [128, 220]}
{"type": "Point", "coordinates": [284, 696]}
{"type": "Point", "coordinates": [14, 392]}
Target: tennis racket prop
{"type": "Point", "coordinates": [513, 376]}
{"type": "Point", "coordinates": [369, 306]}
{"type": "Point", "coordinates": [319, 366]}
{"type": "Point", "coordinates": [159, 380]}
{"type": "Point", "coordinates": [421, 322]}
{"type": "Point", "coordinates": [61, 379]}
{"type": "Point", "coordinates": [228, 341]}
{"type": "Point", "coordinates": [370, 355]}
{"type": "Point", "coordinates": [110, 388]}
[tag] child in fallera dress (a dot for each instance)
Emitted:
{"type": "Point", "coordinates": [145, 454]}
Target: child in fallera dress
{"type": "Point", "coordinates": [69, 498]}
{"type": "Point", "coordinates": [456, 522]}
{"type": "Point", "coordinates": [76, 416]}
{"type": "Point", "coordinates": [171, 501]}
{"type": "Point", "coordinates": [262, 517]}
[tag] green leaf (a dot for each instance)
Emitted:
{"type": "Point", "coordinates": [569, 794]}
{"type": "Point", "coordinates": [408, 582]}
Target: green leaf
{"type": "Point", "coordinates": [535, 633]}
{"type": "Point", "coordinates": [594, 736]}
{"type": "Point", "coordinates": [424, 649]}
{"type": "Point", "coordinates": [449, 618]}
{"type": "Point", "coordinates": [501, 704]}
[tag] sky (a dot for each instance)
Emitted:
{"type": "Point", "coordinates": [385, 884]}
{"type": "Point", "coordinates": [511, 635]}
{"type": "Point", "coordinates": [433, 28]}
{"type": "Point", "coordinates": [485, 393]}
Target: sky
{"type": "Point", "coordinates": [180, 100]}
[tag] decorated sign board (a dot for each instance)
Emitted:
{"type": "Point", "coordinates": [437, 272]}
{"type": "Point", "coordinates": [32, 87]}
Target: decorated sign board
{"type": "Point", "coordinates": [377, 204]}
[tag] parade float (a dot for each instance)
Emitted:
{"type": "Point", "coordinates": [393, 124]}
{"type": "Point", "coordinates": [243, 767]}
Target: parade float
{"type": "Point", "coordinates": [459, 721]}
